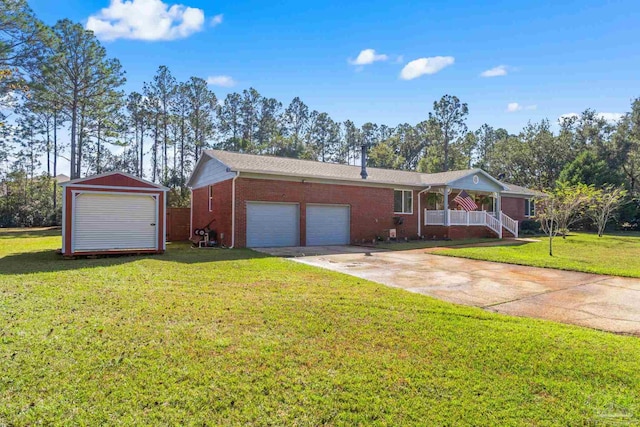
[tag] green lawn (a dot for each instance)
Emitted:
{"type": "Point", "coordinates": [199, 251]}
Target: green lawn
{"type": "Point", "coordinates": [423, 244]}
{"type": "Point", "coordinates": [219, 337]}
{"type": "Point", "coordinates": [611, 254]}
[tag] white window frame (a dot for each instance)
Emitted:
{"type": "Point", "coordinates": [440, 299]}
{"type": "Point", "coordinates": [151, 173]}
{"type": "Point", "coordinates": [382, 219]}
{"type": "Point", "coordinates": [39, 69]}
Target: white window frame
{"type": "Point", "coordinates": [528, 203]}
{"type": "Point", "coordinates": [210, 196]}
{"type": "Point", "coordinates": [403, 200]}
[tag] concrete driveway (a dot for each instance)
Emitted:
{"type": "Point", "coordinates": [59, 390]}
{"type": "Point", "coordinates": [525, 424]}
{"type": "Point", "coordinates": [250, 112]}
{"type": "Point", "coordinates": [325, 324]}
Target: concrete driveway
{"type": "Point", "coordinates": [602, 302]}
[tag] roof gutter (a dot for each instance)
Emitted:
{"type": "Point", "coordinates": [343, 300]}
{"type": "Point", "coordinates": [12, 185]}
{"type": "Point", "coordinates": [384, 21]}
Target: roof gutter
{"type": "Point", "coordinates": [420, 211]}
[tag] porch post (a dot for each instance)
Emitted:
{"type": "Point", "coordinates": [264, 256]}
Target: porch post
{"type": "Point", "coordinates": [445, 205]}
{"type": "Point", "coordinates": [498, 204]}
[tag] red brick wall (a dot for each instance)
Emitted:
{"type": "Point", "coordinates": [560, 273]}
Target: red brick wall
{"type": "Point", "coordinates": [513, 207]}
{"type": "Point", "coordinates": [456, 232]}
{"type": "Point", "coordinates": [371, 208]}
{"type": "Point", "coordinates": [220, 217]}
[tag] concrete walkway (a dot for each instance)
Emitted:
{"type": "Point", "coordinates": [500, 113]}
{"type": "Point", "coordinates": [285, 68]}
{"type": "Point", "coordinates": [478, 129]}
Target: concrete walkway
{"type": "Point", "coordinates": [602, 302]}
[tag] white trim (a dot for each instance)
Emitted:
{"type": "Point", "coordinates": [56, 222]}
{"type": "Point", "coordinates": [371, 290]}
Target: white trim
{"type": "Point", "coordinates": [164, 231]}
{"type": "Point", "coordinates": [154, 194]}
{"type": "Point", "coordinates": [233, 210]}
{"type": "Point", "coordinates": [114, 187]}
{"type": "Point", "coordinates": [477, 171]}
{"type": "Point", "coordinates": [268, 202]}
{"type": "Point", "coordinates": [312, 204]}
{"type": "Point", "coordinates": [530, 201]}
{"type": "Point", "coordinates": [64, 219]}
{"type": "Point", "coordinates": [73, 219]}
{"type": "Point", "coordinates": [322, 180]}
{"type": "Point", "coordinates": [394, 202]}
{"type": "Point", "coordinates": [157, 200]}
{"type": "Point", "coordinates": [74, 182]}
{"type": "Point", "coordinates": [210, 197]}
{"type": "Point", "coordinates": [191, 214]}
{"type": "Point", "coordinates": [419, 223]}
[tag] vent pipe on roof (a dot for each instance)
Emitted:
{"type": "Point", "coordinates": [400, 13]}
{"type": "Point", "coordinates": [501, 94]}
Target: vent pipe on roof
{"type": "Point", "coordinates": [363, 162]}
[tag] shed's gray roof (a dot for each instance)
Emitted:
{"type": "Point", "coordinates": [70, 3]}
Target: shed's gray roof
{"type": "Point", "coordinates": [285, 166]}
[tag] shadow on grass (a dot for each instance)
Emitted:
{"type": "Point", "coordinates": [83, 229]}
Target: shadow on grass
{"type": "Point", "coordinates": [50, 261]}
{"type": "Point", "coordinates": [23, 233]}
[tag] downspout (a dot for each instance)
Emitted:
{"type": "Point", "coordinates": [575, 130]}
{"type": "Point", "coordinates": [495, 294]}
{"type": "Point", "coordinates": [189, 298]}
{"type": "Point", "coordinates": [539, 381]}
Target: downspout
{"type": "Point", "coordinates": [233, 210]}
{"type": "Point", "coordinates": [420, 211]}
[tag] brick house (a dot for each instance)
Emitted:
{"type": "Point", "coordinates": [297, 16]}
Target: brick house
{"type": "Point", "coordinates": [256, 201]}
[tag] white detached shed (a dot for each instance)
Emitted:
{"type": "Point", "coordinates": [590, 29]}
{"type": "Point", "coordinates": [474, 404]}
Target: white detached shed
{"type": "Point", "coordinates": [113, 213]}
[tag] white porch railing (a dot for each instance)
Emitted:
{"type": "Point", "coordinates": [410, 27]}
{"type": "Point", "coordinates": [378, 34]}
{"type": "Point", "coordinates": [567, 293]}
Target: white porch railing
{"type": "Point", "coordinates": [433, 217]}
{"type": "Point", "coordinates": [473, 218]}
{"type": "Point", "coordinates": [477, 217]}
{"type": "Point", "coordinates": [510, 224]}
{"type": "Point", "coordinates": [494, 224]}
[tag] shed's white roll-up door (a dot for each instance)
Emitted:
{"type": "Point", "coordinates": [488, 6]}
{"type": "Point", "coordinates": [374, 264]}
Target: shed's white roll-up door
{"type": "Point", "coordinates": [114, 221]}
{"type": "Point", "coordinates": [328, 225]}
{"type": "Point", "coordinates": [272, 224]}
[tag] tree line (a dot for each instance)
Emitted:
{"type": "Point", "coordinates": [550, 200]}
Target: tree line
{"type": "Point", "coordinates": [62, 97]}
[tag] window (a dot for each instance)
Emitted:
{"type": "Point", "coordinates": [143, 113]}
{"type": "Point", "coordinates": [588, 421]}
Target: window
{"type": "Point", "coordinates": [211, 198]}
{"type": "Point", "coordinates": [529, 208]}
{"type": "Point", "coordinates": [403, 201]}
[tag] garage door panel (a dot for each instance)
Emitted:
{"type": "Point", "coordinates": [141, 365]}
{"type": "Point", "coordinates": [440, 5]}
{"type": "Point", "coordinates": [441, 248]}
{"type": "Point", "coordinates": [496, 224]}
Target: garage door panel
{"type": "Point", "coordinates": [328, 225]}
{"type": "Point", "coordinates": [272, 224]}
{"type": "Point", "coordinates": [114, 221]}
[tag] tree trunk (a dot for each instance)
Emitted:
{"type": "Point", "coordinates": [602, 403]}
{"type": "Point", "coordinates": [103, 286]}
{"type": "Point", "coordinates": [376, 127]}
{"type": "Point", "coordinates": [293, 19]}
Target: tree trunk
{"type": "Point", "coordinates": [182, 152]}
{"type": "Point", "coordinates": [79, 145]}
{"type": "Point", "coordinates": [98, 151]}
{"type": "Point", "coordinates": [142, 148]}
{"type": "Point", "coordinates": [446, 152]}
{"type": "Point", "coordinates": [55, 159]}
{"type": "Point", "coordinates": [74, 136]}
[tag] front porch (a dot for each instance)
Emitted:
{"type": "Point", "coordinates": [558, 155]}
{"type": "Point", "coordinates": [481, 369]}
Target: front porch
{"type": "Point", "coordinates": [456, 218]}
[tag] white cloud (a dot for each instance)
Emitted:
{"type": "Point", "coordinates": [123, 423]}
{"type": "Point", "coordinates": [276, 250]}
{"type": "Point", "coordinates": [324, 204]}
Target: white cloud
{"type": "Point", "coordinates": [145, 20]}
{"type": "Point", "coordinates": [224, 81]}
{"type": "Point", "coordinates": [368, 56]}
{"type": "Point", "coordinates": [500, 70]}
{"type": "Point", "coordinates": [609, 117]}
{"type": "Point", "coordinates": [512, 107]}
{"type": "Point", "coordinates": [216, 20]}
{"type": "Point", "coordinates": [421, 66]}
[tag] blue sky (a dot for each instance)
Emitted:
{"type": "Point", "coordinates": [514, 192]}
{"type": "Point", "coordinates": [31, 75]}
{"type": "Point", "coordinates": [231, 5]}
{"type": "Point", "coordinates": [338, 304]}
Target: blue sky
{"type": "Point", "coordinates": [557, 57]}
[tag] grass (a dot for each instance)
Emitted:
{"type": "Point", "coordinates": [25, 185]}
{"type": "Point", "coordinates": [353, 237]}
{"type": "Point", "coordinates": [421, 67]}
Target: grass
{"type": "Point", "coordinates": [611, 254]}
{"type": "Point", "coordinates": [232, 337]}
{"type": "Point", "coordinates": [424, 244]}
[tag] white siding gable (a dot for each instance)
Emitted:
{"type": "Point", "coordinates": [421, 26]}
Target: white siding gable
{"type": "Point", "coordinates": [209, 171]}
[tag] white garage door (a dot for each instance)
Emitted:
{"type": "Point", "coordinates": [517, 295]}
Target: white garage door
{"type": "Point", "coordinates": [328, 225]}
{"type": "Point", "coordinates": [272, 224]}
{"type": "Point", "coordinates": [114, 221]}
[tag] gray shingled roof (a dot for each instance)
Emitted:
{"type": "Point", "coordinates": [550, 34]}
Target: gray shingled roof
{"type": "Point", "coordinates": [312, 169]}
{"type": "Point", "coordinates": [516, 189]}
